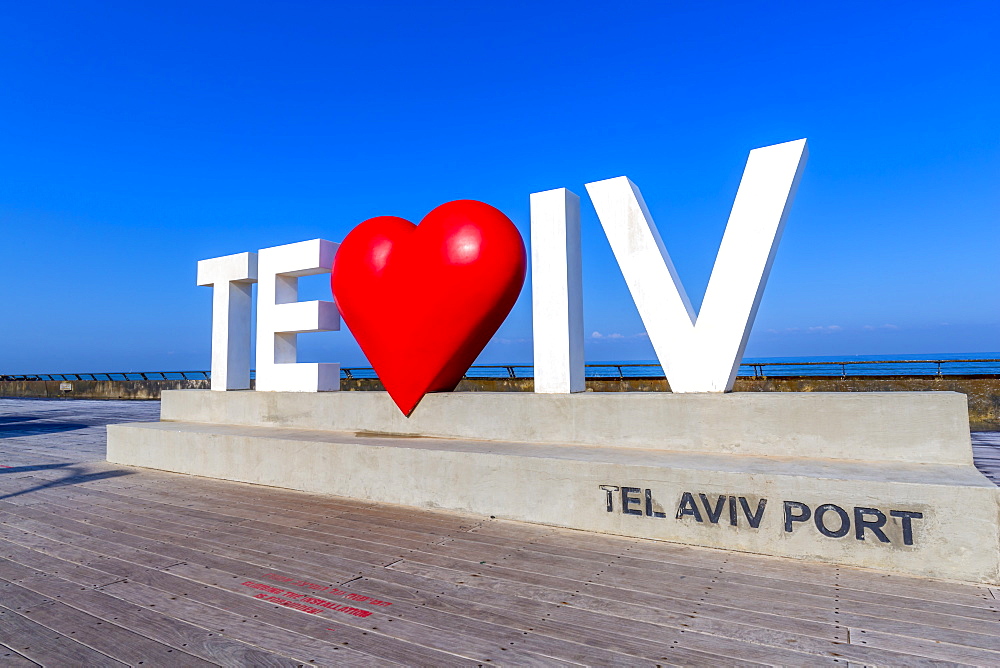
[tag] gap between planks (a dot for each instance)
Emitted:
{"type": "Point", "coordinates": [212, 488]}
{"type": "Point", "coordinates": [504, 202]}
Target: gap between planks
{"type": "Point", "coordinates": [920, 587]}
{"type": "Point", "coordinates": [838, 590]}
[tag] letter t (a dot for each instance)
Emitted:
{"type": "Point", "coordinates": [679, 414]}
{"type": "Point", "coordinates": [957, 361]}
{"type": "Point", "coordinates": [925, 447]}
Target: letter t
{"type": "Point", "coordinates": [232, 277]}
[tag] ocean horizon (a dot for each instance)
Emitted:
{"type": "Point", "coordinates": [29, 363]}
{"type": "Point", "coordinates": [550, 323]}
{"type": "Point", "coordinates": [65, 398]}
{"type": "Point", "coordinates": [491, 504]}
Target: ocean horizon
{"type": "Point", "coordinates": [816, 365]}
{"type": "Point", "coordinates": [922, 364]}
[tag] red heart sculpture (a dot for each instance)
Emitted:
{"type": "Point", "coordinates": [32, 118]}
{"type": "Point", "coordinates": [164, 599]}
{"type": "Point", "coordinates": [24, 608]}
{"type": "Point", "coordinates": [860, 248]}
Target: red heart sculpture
{"type": "Point", "coordinates": [424, 300]}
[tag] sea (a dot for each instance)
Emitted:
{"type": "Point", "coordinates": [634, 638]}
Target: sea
{"type": "Point", "coordinates": [950, 364]}
{"type": "Point", "coordinates": [987, 363]}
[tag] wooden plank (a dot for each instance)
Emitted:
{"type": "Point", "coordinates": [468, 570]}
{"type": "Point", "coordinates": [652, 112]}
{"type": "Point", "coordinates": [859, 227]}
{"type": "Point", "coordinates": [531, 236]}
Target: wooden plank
{"type": "Point", "coordinates": [653, 642]}
{"type": "Point", "coordinates": [433, 637]}
{"type": "Point", "coordinates": [789, 574]}
{"type": "Point", "coordinates": [411, 513]}
{"type": "Point", "coordinates": [479, 646]}
{"type": "Point", "coordinates": [301, 502]}
{"type": "Point", "coordinates": [368, 534]}
{"type": "Point", "coordinates": [368, 542]}
{"type": "Point", "coordinates": [41, 520]}
{"type": "Point", "coordinates": [243, 627]}
{"type": "Point", "coordinates": [189, 570]}
{"type": "Point", "coordinates": [49, 556]}
{"type": "Point", "coordinates": [773, 567]}
{"type": "Point", "coordinates": [66, 451]}
{"type": "Point", "coordinates": [115, 569]}
{"type": "Point", "coordinates": [919, 588]}
{"type": "Point", "coordinates": [80, 479]}
{"type": "Point", "coordinates": [728, 640]}
{"type": "Point", "coordinates": [45, 646]}
{"type": "Point", "coordinates": [654, 609]}
{"type": "Point", "coordinates": [135, 571]}
{"type": "Point", "coordinates": [393, 640]}
{"type": "Point", "coordinates": [241, 534]}
{"type": "Point", "coordinates": [370, 525]}
{"type": "Point", "coordinates": [180, 635]}
{"type": "Point", "coordinates": [87, 538]}
{"type": "Point", "coordinates": [666, 556]}
{"type": "Point", "coordinates": [718, 620]}
{"type": "Point", "coordinates": [931, 650]}
{"type": "Point", "coordinates": [212, 553]}
{"type": "Point", "coordinates": [330, 551]}
{"type": "Point", "coordinates": [190, 539]}
{"type": "Point", "coordinates": [150, 552]}
{"type": "Point", "coordinates": [345, 569]}
{"type": "Point", "coordinates": [256, 530]}
{"type": "Point", "coordinates": [11, 659]}
{"type": "Point", "coordinates": [803, 571]}
{"type": "Point", "coordinates": [486, 582]}
{"type": "Point", "coordinates": [419, 624]}
{"type": "Point", "coordinates": [265, 518]}
{"type": "Point", "coordinates": [111, 639]}
{"type": "Point", "coordinates": [637, 578]}
{"type": "Point", "coordinates": [700, 598]}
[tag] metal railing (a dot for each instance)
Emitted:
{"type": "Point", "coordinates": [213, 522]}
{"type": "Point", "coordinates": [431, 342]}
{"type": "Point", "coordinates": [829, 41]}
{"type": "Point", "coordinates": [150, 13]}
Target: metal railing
{"type": "Point", "coordinates": [872, 367]}
{"type": "Point", "coordinates": [842, 368]}
{"type": "Point", "coordinates": [113, 375]}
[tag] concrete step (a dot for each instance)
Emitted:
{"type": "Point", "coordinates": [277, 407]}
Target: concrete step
{"type": "Point", "coordinates": [932, 519]}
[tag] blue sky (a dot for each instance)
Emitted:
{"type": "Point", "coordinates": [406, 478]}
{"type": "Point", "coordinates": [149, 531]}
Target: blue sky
{"type": "Point", "coordinates": [138, 138]}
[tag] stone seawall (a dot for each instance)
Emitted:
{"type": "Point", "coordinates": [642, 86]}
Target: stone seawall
{"type": "Point", "coordinates": [983, 392]}
{"type": "Point", "coordinates": [95, 389]}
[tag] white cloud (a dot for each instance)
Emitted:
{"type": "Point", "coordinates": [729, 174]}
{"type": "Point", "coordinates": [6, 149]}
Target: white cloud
{"type": "Point", "coordinates": [511, 341]}
{"type": "Point", "coordinates": [617, 336]}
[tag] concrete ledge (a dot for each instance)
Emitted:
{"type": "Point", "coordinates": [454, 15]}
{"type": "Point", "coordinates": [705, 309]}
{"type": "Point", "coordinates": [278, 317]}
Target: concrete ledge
{"type": "Point", "coordinates": [917, 427]}
{"type": "Point", "coordinates": [936, 520]}
{"type": "Point", "coordinates": [881, 480]}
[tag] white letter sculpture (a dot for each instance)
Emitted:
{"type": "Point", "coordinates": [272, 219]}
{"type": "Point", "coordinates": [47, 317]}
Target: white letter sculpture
{"type": "Point", "coordinates": [232, 277]}
{"type": "Point", "coordinates": [702, 353]}
{"type": "Point", "coordinates": [280, 317]}
{"type": "Point", "coordinates": [698, 353]}
{"type": "Point", "coordinates": [557, 308]}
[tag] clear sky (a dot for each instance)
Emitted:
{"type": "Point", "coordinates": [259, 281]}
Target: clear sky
{"type": "Point", "coordinates": [138, 137]}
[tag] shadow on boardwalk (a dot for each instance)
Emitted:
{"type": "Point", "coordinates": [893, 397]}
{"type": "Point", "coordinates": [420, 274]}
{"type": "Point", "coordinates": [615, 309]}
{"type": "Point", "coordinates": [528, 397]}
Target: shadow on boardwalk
{"type": "Point", "coordinates": [76, 475]}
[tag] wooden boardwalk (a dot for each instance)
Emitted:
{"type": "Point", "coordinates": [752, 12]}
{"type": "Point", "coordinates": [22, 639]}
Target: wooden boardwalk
{"type": "Point", "coordinates": [102, 565]}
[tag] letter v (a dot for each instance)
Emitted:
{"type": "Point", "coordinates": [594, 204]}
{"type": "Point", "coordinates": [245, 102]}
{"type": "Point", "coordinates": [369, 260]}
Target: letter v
{"type": "Point", "coordinates": [702, 353]}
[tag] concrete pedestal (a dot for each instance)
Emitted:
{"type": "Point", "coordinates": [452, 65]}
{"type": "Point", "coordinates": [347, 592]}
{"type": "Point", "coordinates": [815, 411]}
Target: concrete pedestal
{"type": "Point", "coordinates": [882, 480]}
